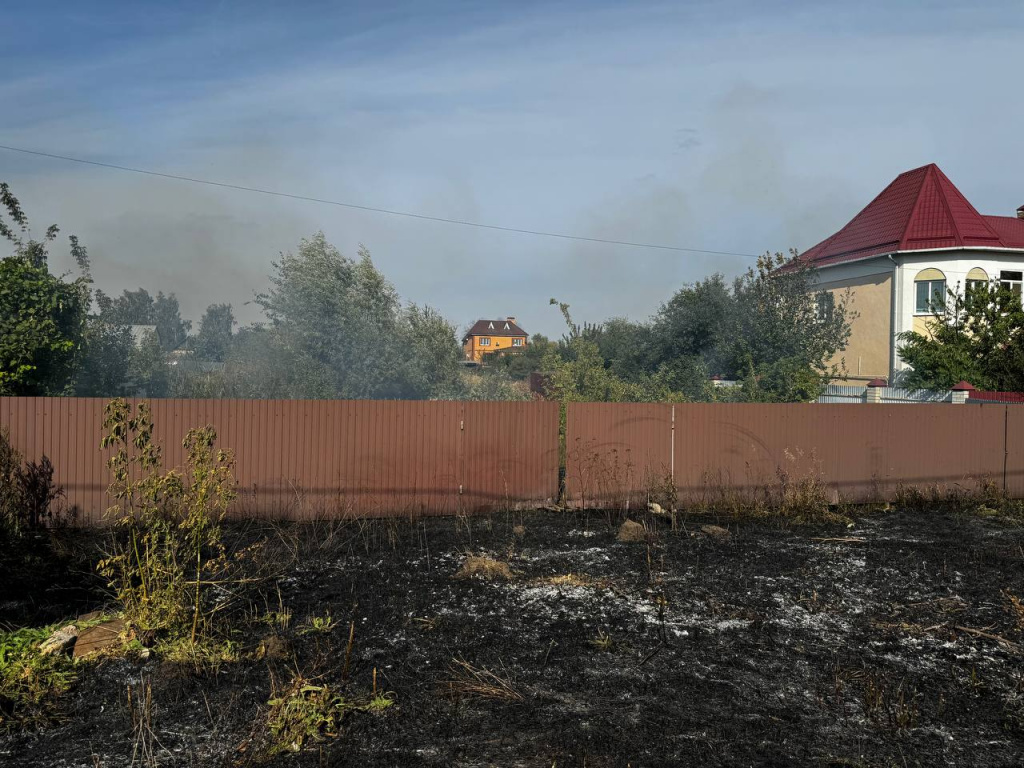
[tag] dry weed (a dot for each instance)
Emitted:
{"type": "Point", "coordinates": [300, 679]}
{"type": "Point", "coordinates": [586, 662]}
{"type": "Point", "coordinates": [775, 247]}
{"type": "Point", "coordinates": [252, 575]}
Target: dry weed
{"type": "Point", "coordinates": [483, 567]}
{"type": "Point", "coordinates": [467, 680]}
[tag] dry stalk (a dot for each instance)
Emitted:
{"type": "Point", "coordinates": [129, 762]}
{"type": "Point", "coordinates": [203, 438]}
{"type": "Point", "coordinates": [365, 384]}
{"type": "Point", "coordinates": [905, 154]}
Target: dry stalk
{"type": "Point", "coordinates": [467, 680]}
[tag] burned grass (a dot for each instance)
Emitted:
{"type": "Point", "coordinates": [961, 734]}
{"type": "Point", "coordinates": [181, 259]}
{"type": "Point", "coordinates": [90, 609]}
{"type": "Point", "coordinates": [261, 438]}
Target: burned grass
{"type": "Point", "coordinates": [897, 641]}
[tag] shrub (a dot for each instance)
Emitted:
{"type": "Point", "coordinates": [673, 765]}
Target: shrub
{"type": "Point", "coordinates": [28, 494]}
{"type": "Point", "coordinates": [170, 547]}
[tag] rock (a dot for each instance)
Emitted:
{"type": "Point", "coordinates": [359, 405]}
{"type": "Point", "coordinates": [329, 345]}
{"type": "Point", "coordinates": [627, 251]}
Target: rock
{"type": "Point", "coordinates": [90, 616]}
{"type": "Point", "coordinates": [656, 509]}
{"type": "Point", "coordinates": [519, 530]}
{"type": "Point", "coordinates": [99, 638]}
{"type": "Point", "coordinates": [716, 531]}
{"type": "Point", "coordinates": [632, 531]}
{"type": "Point", "coordinates": [60, 641]}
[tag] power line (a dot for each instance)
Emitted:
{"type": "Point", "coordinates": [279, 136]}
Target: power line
{"type": "Point", "coordinates": [372, 209]}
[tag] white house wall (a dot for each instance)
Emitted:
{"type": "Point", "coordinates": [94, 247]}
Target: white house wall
{"type": "Point", "coordinates": [955, 265]}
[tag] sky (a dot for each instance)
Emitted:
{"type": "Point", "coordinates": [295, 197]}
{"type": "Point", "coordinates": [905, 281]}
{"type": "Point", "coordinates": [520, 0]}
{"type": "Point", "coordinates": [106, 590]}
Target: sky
{"type": "Point", "coordinates": [728, 126]}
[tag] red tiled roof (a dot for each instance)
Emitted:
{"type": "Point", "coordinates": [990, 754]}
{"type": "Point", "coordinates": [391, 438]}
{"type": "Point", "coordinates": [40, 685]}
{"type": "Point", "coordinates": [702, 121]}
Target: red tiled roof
{"type": "Point", "coordinates": [494, 328]}
{"type": "Point", "coordinates": [1009, 228]}
{"type": "Point", "coordinates": [920, 209]}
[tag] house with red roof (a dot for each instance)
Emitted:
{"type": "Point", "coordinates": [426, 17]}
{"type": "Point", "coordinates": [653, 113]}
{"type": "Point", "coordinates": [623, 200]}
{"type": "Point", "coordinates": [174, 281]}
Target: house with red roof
{"type": "Point", "coordinates": [919, 237]}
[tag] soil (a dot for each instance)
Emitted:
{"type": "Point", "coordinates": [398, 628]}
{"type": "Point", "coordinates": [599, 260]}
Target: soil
{"type": "Point", "coordinates": [892, 642]}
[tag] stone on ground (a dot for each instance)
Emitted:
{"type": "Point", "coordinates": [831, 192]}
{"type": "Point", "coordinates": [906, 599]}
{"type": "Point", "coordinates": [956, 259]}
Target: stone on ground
{"type": "Point", "coordinates": [60, 641]}
{"type": "Point", "coordinates": [632, 531]}
{"type": "Point", "coordinates": [716, 531]}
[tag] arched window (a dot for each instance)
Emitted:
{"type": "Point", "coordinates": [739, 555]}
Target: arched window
{"type": "Point", "coordinates": [977, 280]}
{"type": "Point", "coordinates": [930, 291]}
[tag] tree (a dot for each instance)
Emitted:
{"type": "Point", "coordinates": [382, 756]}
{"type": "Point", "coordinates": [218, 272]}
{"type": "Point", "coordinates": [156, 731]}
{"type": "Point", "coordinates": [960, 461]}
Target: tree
{"type": "Point", "coordinates": [784, 334]}
{"type": "Point", "coordinates": [42, 316]}
{"type": "Point", "coordinates": [106, 359]}
{"type": "Point", "coordinates": [519, 364]}
{"type": "Point", "coordinates": [581, 375]}
{"type": "Point", "coordinates": [694, 323]}
{"type": "Point", "coordinates": [213, 342]}
{"type": "Point", "coordinates": [171, 330]}
{"type": "Point", "coordinates": [977, 337]}
{"type": "Point", "coordinates": [771, 330]}
{"type": "Point", "coordinates": [139, 308]}
{"type": "Point", "coordinates": [342, 331]}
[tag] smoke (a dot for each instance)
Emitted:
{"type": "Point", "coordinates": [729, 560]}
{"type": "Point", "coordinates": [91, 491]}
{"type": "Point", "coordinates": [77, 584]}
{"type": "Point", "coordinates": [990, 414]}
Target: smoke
{"type": "Point", "coordinates": [744, 131]}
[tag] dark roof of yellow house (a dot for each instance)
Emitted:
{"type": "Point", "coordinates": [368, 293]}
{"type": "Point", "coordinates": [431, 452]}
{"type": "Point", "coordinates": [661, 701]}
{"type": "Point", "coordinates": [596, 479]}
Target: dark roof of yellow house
{"type": "Point", "coordinates": [495, 328]}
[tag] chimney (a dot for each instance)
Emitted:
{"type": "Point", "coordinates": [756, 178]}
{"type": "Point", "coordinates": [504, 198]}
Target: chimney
{"type": "Point", "coordinates": [1020, 212]}
{"type": "Point", "coordinates": [512, 318]}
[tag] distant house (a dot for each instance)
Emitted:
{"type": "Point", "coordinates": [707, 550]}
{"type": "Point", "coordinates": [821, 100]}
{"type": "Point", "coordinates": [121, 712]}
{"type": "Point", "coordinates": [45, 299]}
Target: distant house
{"type": "Point", "coordinates": [492, 336]}
{"type": "Point", "coordinates": [898, 257]}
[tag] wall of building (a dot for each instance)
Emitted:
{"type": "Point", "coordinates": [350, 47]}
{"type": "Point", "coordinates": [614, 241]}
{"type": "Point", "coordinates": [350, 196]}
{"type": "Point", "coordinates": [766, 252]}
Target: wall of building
{"type": "Point", "coordinates": [474, 351]}
{"type": "Point", "coordinates": [955, 266]}
{"type": "Point", "coordinates": [867, 354]}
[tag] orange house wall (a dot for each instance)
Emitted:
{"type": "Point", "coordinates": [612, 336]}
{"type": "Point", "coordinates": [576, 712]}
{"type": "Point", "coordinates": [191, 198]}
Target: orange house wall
{"type": "Point", "coordinates": [475, 352]}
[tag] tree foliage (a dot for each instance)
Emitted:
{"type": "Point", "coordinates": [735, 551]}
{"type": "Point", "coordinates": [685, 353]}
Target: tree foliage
{"type": "Point", "coordinates": [977, 337]}
{"type": "Point", "coordinates": [579, 373]}
{"type": "Point", "coordinates": [42, 316]}
{"type": "Point", "coordinates": [770, 330]}
{"type": "Point", "coordinates": [336, 328]}
{"type": "Point", "coordinates": [216, 328]}
{"type": "Point", "coordinates": [139, 308]}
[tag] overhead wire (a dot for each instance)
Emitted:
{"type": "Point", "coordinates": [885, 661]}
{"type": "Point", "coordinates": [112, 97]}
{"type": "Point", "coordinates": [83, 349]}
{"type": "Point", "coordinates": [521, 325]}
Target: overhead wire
{"type": "Point", "coordinates": [376, 209]}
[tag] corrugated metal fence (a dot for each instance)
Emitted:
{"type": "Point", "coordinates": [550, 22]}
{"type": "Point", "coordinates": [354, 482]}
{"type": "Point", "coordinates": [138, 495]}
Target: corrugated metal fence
{"type": "Point", "coordinates": [301, 458]}
{"type": "Point", "coordinates": [297, 459]}
{"type": "Point", "coordinates": [616, 453]}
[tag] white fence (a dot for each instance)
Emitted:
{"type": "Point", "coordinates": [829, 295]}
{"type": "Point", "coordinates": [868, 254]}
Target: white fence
{"type": "Point", "coordinates": [844, 393]}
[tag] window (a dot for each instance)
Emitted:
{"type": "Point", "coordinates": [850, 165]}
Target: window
{"type": "Point", "coordinates": [977, 280]}
{"type": "Point", "coordinates": [930, 291]}
{"type": "Point", "coordinates": [517, 342]}
{"type": "Point", "coordinates": [826, 303]}
{"type": "Point", "coordinates": [1011, 280]}
{"type": "Point", "coordinates": [484, 341]}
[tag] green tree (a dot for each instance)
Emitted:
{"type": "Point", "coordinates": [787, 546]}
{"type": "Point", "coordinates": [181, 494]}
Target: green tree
{"type": "Point", "coordinates": [771, 330]}
{"type": "Point", "coordinates": [213, 342]}
{"type": "Point", "coordinates": [106, 359]}
{"type": "Point", "coordinates": [977, 337]}
{"type": "Point", "coordinates": [784, 335]}
{"type": "Point", "coordinates": [518, 365]}
{"type": "Point", "coordinates": [582, 375]}
{"type": "Point", "coordinates": [42, 316]}
{"type": "Point", "coordinates": [139, 308]}
{"type": "Point", "coordinates": [342, 331]}
{"type": "Point", "coordinates": [694, 323]}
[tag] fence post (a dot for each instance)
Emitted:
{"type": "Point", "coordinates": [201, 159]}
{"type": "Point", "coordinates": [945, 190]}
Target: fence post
{"type": "Point", "coordinates": [874, 390]}
{"type": "Point", "coordinates": [960, 392]}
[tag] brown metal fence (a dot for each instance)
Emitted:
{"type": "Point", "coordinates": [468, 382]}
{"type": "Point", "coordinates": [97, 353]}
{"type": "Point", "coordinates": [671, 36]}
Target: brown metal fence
{"type": "Point", "coordinates": [617, 454]}
{"type": "Point", "coordinates": [302, 458]}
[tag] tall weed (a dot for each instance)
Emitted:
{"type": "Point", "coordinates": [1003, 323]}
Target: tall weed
{"type": "Point", "coordinates": [163, 564]}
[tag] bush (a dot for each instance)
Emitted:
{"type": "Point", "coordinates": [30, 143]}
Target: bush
{"type": "Point", "coordinates": [28, 494]}
{"type": "Point", "coordinates": [169, 549]}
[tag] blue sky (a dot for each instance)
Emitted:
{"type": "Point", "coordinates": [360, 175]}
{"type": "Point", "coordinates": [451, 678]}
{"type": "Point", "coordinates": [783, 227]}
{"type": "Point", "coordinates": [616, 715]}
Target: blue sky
{"type": "Point", "coordinates": [735, 126]}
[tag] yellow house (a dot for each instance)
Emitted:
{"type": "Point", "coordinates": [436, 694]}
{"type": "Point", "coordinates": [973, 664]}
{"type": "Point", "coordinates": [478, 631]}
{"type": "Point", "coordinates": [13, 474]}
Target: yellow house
{"type": "Point", "coordinates": [917, 239]}
{"type": "Point", "coordinates": [492, 336]}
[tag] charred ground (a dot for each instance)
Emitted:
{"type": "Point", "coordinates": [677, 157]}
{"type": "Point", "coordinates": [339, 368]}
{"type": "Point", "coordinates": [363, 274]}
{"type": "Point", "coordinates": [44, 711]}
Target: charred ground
{"type": "Point", "coordinates": [893, 642]}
